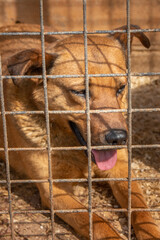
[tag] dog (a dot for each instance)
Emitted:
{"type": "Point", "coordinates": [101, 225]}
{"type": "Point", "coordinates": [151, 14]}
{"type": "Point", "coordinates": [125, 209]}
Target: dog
{"type": "Point", "coordinates": [22, 55]}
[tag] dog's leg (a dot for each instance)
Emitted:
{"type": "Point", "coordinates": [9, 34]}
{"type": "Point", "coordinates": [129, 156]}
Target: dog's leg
{"type": "Point", "coordinates": [143, 223]}
{"type": "Point", "coordinates": [79, 221]}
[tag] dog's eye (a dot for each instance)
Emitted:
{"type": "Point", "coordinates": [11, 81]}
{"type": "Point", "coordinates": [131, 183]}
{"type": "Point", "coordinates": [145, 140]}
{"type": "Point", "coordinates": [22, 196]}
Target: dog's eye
{"type": "Point", "coordinates": [81, 93]}
{"type": "Point", "coordinates": [120, 90]}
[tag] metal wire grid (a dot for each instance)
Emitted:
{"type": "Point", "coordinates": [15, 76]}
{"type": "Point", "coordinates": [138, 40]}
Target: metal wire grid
{"type": "Point", "coordinates": [129, 118]}
{"type": "Point", "coordinates": [47, 116]}
{"type": "Point", "coordinates": [130, 110]}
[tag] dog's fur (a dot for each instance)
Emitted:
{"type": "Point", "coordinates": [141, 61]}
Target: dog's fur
{"type": "Point", "coordinates": [106, 54]}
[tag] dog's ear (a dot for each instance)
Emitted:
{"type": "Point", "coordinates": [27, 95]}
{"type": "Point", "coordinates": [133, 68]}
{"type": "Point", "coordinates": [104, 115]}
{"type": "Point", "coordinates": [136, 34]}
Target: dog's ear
{"type": "Point", "coordinates": [29, 62]}
{"type": "Point", "coordinates": [122, 37]}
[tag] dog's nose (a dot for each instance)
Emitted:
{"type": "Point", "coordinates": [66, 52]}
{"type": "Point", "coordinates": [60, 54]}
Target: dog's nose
{"type": "Point", "coordinates": [116, 137]}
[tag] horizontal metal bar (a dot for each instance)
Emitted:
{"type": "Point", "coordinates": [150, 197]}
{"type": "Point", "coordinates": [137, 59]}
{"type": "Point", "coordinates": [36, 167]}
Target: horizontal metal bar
{"type": "Point", "coordinates": [135, 110]}
{"type": "Point", "coordinates": [82, 75]}
{"type": "Point", "coordinates": [20, 33]}
{"type": "Point", "coordinates": [125, 179]}
{"type": "Point", "coordinates": [94, 210]}
{"type": "Point", "coordinates": [66, 111]}
{"type": "Point", "coordinates": [83, 210]}
{"type": "Point", "coordinates": [78, 32]}
{"type": "Point", "coordinates": [37, 222]}
{"type": "Point", "coordinates": [31, 211]}
{"type": "Point", "coordinates": [42, 149]}
{"type": "Point", "coordinates": [23, 112]}
{"type": "Point", "coordinates": [79, 180]}
{"type": "Point", "coordinates": [62, 76]}
{"type": "Point", "coordinates": [146, 146]}
{"type": "Point", "coordinates": [84, 148]}
{"type": "Point", "coordinates": [124, 146]}
{"type": "Point", "coordinates": [48, 211]}
{"type": "Point", "coordinates": [103, 31]}
{"type": "Point", "coordinates": [25, 181]}
{"type": "Point", "coordinates": [82, 111]}
{"type": "Point", "coordinates": [24, 149]}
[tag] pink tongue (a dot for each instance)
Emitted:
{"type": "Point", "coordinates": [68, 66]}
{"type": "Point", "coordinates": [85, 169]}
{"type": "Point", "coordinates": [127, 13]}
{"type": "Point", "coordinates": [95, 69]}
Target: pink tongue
{"type": "Point", "coordinates": [105, 160]}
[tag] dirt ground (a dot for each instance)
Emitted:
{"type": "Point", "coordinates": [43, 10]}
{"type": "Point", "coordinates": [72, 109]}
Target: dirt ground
{"type": "Point", "coordinates": [145, 163]}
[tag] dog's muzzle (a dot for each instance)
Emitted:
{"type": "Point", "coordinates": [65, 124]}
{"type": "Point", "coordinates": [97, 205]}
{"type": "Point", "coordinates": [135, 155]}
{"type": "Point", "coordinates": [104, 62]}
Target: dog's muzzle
{"type": "Point", "coordinates": [104, 159]}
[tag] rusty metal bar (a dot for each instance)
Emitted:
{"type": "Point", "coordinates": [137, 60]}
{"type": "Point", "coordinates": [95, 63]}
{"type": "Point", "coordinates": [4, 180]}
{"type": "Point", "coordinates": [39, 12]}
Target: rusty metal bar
{"type": "Point", "coordinates": [129, 116]}
{"type": "Point", "coordinates": [83, 111]}
{"type": "Point", "coordinates": [88, 121]}
{"type": "Point", "coordinates": [6, 152]}
{"type": "Point", "coordinates": [47, 116]}
{"type": "Point", "coordinates": [82, 75]}
{"type": "Point", "coordinates": [84, 148]}
{"type": "Point", "coordinates": [77, 32]}
{"type": "Point", "coordinates": [84, 210]}
{"type": "Point", "coordinates": [79, 180]}
{"type": "Point", "coordinates": [96, 210]}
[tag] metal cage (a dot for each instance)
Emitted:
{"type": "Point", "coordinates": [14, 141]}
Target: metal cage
{"type": "Point", "coordinates": [129, 111]}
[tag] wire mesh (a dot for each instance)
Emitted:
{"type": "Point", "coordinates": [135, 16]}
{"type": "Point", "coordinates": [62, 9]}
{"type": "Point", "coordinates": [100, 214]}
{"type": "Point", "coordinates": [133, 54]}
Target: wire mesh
{"type": "Point", "coordinates": [77, 32]}
{"type": "Point", "coordinates": [89, 147]}
{"type": "Point", "coordinates": [88, 122]}
{"type": "Point", "coordinates": [47, 116]}
{"type": "Point", "coordinates": [129, 117]}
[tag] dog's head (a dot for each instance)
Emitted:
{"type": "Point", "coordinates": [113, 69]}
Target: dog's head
{"type": "Point", "coordinates": [106, 55]}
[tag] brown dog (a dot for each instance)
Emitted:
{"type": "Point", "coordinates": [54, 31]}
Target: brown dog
{"type": "Point", "coordinates": [22, 56]}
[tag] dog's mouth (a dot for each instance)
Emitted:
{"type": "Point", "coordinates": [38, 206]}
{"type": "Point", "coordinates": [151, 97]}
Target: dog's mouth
{"type": "Point", "coordinates": [105, 159]}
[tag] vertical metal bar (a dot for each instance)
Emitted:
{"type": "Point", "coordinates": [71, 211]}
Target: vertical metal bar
{"type": "Point", "coordinates": [129, 118]}
{"type": "Point", "coordinates": [88, 122]}
{"type": "Point", "coordinates": [6, 151]}
{"type": "Point", "coordinates": [47, 115]}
